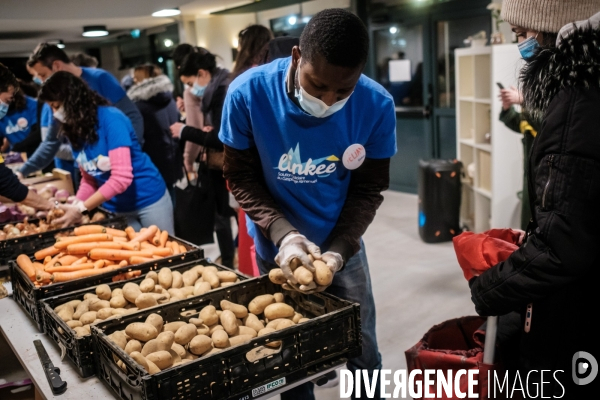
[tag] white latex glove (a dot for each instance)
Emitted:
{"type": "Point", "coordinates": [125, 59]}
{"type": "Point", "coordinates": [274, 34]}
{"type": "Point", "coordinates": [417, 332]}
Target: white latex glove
{"type": "Point", "coordinates": [72, 216]}
{"type": "Point", "coordinates": [296, 246]}
{"type": "Point", "coordinates": [333, 260]}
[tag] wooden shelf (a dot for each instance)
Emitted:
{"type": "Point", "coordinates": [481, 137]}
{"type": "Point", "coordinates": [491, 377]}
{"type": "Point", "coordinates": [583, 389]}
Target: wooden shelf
{"type": "Point", "coordinates": [483, 146]}
{"type": "Point", "coordinates": [483, 192]}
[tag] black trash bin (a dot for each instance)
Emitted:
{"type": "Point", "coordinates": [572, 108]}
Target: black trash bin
{"type": "Point", "coordinates": [439, 200]}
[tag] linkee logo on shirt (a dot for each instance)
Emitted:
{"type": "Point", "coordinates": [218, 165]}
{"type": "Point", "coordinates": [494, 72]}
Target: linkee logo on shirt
{"type": "Point", "coordinates": [292, 169]}
{"type": "Point", "coordinates": [21, 125]}
{"type": "Point", "coordinates": [97, 166]}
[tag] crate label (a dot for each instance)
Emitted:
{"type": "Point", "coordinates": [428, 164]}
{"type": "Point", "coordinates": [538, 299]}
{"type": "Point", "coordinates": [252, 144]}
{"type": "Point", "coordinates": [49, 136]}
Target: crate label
{"type": "Point", "coordinates": [268, 387]}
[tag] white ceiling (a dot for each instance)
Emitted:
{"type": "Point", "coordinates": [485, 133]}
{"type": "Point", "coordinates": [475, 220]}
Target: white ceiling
{"type": "Point", "coordinates": [25, 23]}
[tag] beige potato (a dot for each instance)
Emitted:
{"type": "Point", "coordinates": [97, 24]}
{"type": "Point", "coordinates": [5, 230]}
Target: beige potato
{"type": "Point", "coordinates": [177, 279]}
{"type": "Point", "coordinates": [176, 292]}
{"type": "Point", "coordinates": [227, 276]}
{"type": "Point", "coordinates": [323, 275]}
{"type": "Point", "coordinates": [187, 290]}
{"type": "Point", "coordinates": [89, 296]}
{"type": "Point", "coordinates": [198, 269]}
{"type": "Point", "coordinates": [140, 359]}
{"type": "Point", "coordinates": [88, 317]}
{"type": "Point", "coordinates": [202, 330]}
{"type": "Point", "coordinates": [96, 321]}
{"type": "Point", "coordinates": [211, 277]}
{"type": "Point", "coordinates": [133, 345]}
{"type": "Point", "coordinates": [190, 277]}
{"type": "Point", "coordinates": [97, 304]}
{"type": "Point", "coordinates": [201, 287]}
{"type": "Point", "coordinates": [200, 344]}
{"type": "Point", "coordinates": [266, 331]}
{"type": "Point", "coordinates": [80, 331]}
{"type": "Point", "coordinates": [303, 276]}
{"type": "Point", "coordinates": [297, 317]}
{"type": "Point", "coordinates": [303, 320]}
{"type": "Point", "coordinates": [196, 321]}
{"type": "Point", "coordinates": [152, 368]}
{"type": "Point", "coordinates": [220, 339]}
{"type": "Point", "coordinates": [116, 292]}
{"type": "Point", "coordinates": [145, 300]}
{"type": "Point", "coordinates": [277, 277]}
{"type": "Point", "coordinates": [103, 292]}
{"type": "Point", "coordinates": [279, 310]}
{"type": "Point", "coordinates": [279, 298]}
{"type": "Point", "coordinates": [119, 311]}
{"type": "Point", "coordinates": [131, 309]}
{"type": "Point", "coordinates": [66, 312]}
{"type": "Point", "coordinates": [153, 275]}
{"type": "Point", "coordinates": [213, 351]}
{"type": "Point", "coordinates": [159, 289]}
{"type": "Point", "coordinates": [165, 340]}
{"type": "Point", "coordinates": [174, 326]}
{"type": "Point", "coordinates": [152, 346]}
{"type": "Point", "coordinates": [259, 303]}
{"type": "Point", "coordinates": [189, 356]}
{"type": "Point", "coordinates": [284, 323]}
{"type": "Point", "coordinates": [185, 334]}
{"type": "Point", "coordinates": [104, 313]}
{"type": "Point", "coordinates": [244, 330]}
{"type": "Point", "coordinates": [87, 328]}
{"type": "Point", "coordinates": [165, 278]}
{"type": "Point", "coordinates": [210, 268]}
{"type": "Point", "coordinates": [253, 322]}
{"type": "Point", "coordinates": [209, 315]}
{"type": "Point", "coordinates": [225, 284]}
{"type": "Point", "coordinates": [131, 291]}
{"type": "Point", "coordinates": [119, 338]}
{"type": "Point", "coordinates": [228, 321]}
{"type": "Point", "coordinates": [162, 359]}
{"type": "Point", "coordinates": [141, 331]}
{"type": "Point", "coordinates": [240, 339]}
{"type": "Point", "coordinates": [74, 324]}
{"type": "Point", "coordinates": [175, 357]}
{"type": "Point", "coordinates": [147, 285]}
{"type": "Point", "coordinates": [274, 323]}
{"type": "Point", "coordinates": [117, 302]}
{"type": "Point", "coordinates": [213, 328]}
{"type": "Point", "coordinates": [239, 310]}
{"type": "Point", "coordinates": [82, 308]}
{"type": "Point", "coordinates": [179, 349]}
{"type": "Point", "coordinates": [156, 321]}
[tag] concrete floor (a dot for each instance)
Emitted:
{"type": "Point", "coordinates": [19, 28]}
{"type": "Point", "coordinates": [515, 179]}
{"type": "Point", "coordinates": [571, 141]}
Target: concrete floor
{"type": "Point", "coordinates": [416, 285]}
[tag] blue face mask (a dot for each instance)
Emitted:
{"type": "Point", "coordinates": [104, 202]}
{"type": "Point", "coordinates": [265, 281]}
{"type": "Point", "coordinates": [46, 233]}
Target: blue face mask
{"type": "Point", "coordinates": [197, 90]}
{"type": "Point", "coordinates": [38, 80]}
{"type": "Point", "coordinates": [528, 48]}
{"type": "Point", "coordinates": [3, 109]}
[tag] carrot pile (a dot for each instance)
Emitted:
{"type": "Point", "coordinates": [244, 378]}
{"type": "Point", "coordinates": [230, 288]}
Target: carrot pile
{"type": "Point", "coordinates": [95, 249]}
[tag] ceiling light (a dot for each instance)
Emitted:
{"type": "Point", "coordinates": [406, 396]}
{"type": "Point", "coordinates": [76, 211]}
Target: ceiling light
{"type": "Point", "coordinates": [57, 42]}
{"type": "Point", "coordinates": [160, 59]}
{"type": "Point", "coordinates": [393, 30]}
{"type": "Point", "coordinates": [95, 31]}
{"type": "Point", "coordinates": [292, 20]}
{"type": "Point", "coordinates": [168, 42]}
{"type": "Point", "coordinates": [167, 12]}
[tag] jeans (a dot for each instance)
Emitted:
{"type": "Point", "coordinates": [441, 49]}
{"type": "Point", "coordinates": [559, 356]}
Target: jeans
{"type": "Point", "coordinates": [225, 239]}
{"type": "Point", "coordinates": [353, 283]}
{"type": "Point", "coordinates": [159, 214]}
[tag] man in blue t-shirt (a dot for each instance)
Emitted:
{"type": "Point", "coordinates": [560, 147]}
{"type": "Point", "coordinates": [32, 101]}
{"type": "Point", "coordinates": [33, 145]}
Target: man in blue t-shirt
{"type": "Point", "coordinates": [308, 141]}
{"type": "Point", "coordinates": [47, 59]}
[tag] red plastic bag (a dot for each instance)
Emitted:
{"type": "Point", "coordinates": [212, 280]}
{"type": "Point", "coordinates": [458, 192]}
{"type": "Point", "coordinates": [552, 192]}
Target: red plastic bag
{"type": "Point", "coordinates": [476, 253]}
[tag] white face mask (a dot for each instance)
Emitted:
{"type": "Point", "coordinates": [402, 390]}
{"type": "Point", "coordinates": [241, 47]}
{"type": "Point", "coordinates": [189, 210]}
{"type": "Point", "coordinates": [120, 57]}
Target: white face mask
{"type": "Point", "coordinates": [315, 107]}
{"type": "Point", "coordinates": [60, 114]}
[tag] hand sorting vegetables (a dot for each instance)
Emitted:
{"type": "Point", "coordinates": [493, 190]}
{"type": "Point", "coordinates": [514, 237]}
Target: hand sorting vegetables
{"type": "Point", "coordinates": [46, 223]}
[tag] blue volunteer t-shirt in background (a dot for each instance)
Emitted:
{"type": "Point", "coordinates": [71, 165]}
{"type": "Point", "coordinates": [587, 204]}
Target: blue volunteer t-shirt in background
{"type": "Point", "coordinates": [114, 130]}
{"type": "Point", "coordinates": [301, 155]}
{"type": "Point", "coordinates": [103, 83]}
{"type": "Point", "coordinates": [16, 126]}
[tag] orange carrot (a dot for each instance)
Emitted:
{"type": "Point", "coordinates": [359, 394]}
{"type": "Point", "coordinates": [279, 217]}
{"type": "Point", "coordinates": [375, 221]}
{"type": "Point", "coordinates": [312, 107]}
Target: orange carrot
{"type": "Point", "coordinates": [89, 229]}
{"type": "Point", "coordinates": [120, 239]}
{"type": "Point", "coordinates": [48, 251]}
{"type": "Point", "coordinates": [69, 276]}
{"type": "Point", "coordinates": [146, 245]}
{"type": "Point", "coordinates": [117, 255]}
{"type": "Point", "coordinates": [116, 232]}
{"type": "Point", "coordinates": [135, 246]}
{"type": "Point", "coordinates": [145, 234]}
{"type": "Point", "coordinates": [175, 247]}
{"type": "Point", "coordinates": [182, 248]}
{"type": "Point", "coordinates": [26, 265]}
{"type": "Point", "coordinates": [47, 259]}
{"type": "Point", "coordinates": [84, 248]}
{"type": "Point", "coordinates": [123, 263]}
{"type": "Point", "coordinates": [139, 260]}
{"type": "Point", "coordinates": [62, 243]}
{"type": "Point", "coordinates": [99, 264]}
{"type": "Point", "coordinates": [38, 266]}
{"type": "Point", "coordinates": [67, 260]}
{"type": "Point", "coordinates": [156, 239]}
{"type": "Point", "coordinates": [43, 276]}
{"type": "Point", "coordinates": [162, 251]}
{"type": "Point", "coordinates": [157, 257]}
{"type": "Point", "coordinates": [164, 236]}
{"type": "Point", "coordinates": [69, 268]}
{"type": "Point", "coordinates": [80, 261]}
{"type": "Point", "coordinates": [54, 259]}
{"type": "Point", "coordinates": [130, 232]}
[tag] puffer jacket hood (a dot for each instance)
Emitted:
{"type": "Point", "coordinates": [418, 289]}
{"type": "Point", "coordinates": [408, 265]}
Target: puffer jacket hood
{"type": "Point", "coordinates": [151, 88]}
{"type": "Point", "coordinates": [574, 62]}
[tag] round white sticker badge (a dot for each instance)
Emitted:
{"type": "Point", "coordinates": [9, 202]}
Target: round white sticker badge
{"type": "Point", "coordinates": [354, 156]}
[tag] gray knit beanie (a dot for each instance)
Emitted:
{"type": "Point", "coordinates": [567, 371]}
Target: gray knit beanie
{"type": "Point", "coordinates": [547, 15]}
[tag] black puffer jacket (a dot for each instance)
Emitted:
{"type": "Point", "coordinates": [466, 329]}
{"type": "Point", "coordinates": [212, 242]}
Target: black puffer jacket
{"type": "Point", "coordinates": [558, 267]}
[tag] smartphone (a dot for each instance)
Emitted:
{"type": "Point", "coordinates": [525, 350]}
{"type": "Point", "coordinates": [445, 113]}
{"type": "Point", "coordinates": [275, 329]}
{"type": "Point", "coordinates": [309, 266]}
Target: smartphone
{"type": "Point", "coordinates": [528, 317]}
{"type": "Point", "coordinates": [501, 86]}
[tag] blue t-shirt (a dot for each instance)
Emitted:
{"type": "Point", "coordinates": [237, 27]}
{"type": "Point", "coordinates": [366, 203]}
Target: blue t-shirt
{"type": "Point", "coordinates": [301, 155]}
{"type": "Point", "coordinates": [115, 130]}
{"type": "Point", "coordinates": [16, 126]}
{"type": "Point", "coordinates": [103, 83]}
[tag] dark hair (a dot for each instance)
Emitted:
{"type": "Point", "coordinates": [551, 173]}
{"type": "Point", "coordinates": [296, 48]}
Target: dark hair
{"type": "Point", "coordinates": [254, 44]}
{"type": "Point", "coordinates": [7, 79]}
{"type": "Point", "coordinates": [337, 35]}
{"type": "Point", "coordinates": [180, 52]}
{"type": "Point", "coordinates": [149, 69]}
{"type": "Point", "coordinates": [549, 39]}
{"type": "Point", "coordinates": [84, 60]}
{"type": "Point", "coordinates": [80, 103]}
{"type": "Point", "coordinates": [195, 61]}
{"type": "Point", "coordinates": [30, 89]}
{"type": "Point", "coordinates": [19, 101]}
{"type": "Point", "coordinates": [46, 54]}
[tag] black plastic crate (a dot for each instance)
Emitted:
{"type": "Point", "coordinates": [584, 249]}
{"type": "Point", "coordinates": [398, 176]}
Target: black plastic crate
{"type": "Point", "coordinates": [28, 296]}
{"type": "Point", "coordinates": [10, 249]}
{"type": "Point", "coordinates": [331, 337]}
{"type": "Point", "coordinates": [80, 349]}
